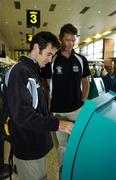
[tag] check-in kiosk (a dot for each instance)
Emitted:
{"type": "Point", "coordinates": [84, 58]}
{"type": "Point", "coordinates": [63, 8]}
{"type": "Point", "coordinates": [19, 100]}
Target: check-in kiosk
{"type": "Point", "coordinates": [91, 149]}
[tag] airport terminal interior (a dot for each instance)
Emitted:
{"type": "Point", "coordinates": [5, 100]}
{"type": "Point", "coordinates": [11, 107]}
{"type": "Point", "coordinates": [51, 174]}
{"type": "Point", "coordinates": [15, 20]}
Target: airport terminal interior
{"type": "Point", "coordinates": [96, 40]}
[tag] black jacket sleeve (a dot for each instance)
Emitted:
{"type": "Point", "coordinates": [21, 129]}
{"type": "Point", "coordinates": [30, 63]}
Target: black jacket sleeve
{"type": "Point", "coordinates": [20, 105]}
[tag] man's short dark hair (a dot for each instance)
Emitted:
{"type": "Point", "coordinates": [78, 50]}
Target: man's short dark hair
{"type": "Point", "coordinates": [68, 28]}
{"type": "Point", "coordinates": [43, 38]}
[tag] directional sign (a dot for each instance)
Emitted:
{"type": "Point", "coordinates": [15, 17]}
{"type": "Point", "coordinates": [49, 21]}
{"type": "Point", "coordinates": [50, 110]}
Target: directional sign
{"type": "Point", "coordinates": [33, 18]}
{"type": "Point", "coordinates": [28, 38]}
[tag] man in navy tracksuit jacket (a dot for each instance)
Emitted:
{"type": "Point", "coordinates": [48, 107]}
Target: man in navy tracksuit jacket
{"type": "Point", "coordinates": [31, 123]}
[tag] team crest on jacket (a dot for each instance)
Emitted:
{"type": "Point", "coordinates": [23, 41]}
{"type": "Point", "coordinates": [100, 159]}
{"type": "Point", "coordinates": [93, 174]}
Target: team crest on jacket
{"type": "Point", "coordinates": [59, 70]}
{"type": "Point", "coordinates": [75, 68]}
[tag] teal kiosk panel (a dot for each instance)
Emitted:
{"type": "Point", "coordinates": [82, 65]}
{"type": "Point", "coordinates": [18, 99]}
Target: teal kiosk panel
{"type": "Point", "coordinates": [91, 149]}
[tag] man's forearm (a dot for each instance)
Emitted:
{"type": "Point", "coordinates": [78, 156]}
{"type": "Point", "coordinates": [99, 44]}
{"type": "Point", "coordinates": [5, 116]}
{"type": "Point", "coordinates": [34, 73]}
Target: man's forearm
{"type": "Point", "coordinates": [85, 89]}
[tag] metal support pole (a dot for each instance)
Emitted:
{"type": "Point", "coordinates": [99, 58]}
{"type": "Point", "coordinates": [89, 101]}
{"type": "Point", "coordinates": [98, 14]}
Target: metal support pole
{"type": "Point", "coordinates": [34, 30]}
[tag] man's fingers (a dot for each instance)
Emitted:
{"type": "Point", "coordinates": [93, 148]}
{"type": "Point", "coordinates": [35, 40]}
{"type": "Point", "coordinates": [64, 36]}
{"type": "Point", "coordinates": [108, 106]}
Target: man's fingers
{"type": "Point", "coordinates": [66, 126]}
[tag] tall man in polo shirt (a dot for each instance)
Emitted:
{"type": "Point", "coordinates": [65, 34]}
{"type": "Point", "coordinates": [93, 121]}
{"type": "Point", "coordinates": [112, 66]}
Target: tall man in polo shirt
{"type": "Point", "coordinates": [68, 75]}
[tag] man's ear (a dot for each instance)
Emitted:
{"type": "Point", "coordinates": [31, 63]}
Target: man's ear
{"type": "Point", "coordinates": [36, 46]}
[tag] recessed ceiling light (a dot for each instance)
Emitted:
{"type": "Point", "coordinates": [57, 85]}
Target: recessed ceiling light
{"type": "Point", "coordinates": [76, 46]}
{"type": "Point", "coordinates": [88, 40]}
{"type": "Point", "coordinates": [97, 36]}
{"type": "Point", "coordinates": [106, 32]}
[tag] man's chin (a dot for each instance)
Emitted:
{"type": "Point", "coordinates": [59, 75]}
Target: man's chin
{"type": "Point", "coordinates": [69, 48]}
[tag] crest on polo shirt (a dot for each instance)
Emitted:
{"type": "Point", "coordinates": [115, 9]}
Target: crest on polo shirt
{"type": "Point", "coordinates": [75, 68]}
{"type": "Point", "coordinates": [59, 70]}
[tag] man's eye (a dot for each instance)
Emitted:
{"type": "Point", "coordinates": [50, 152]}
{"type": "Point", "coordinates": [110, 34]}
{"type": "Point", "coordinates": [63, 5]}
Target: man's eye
{"type": "Point", "coordinates": [50, 54]}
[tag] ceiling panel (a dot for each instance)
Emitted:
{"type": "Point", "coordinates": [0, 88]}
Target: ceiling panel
{"type": "Point", "coordinates": [66, 11]}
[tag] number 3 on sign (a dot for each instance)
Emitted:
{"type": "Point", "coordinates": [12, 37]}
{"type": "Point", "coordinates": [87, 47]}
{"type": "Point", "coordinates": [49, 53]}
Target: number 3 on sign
{"type": "Point", "coordinates": [33, 17]}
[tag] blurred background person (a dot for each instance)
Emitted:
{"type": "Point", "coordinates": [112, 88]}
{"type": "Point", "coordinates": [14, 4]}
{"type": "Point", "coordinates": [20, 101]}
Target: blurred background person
{"type": "Point", "coordinates": [110, 78]}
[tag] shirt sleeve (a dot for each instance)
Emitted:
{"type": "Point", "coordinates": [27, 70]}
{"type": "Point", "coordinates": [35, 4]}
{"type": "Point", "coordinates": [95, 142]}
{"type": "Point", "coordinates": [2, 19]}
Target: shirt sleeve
{"type": "Point", "coordinates": [20, 106]}
{"type": "Point", "coordinates": [86, 70]}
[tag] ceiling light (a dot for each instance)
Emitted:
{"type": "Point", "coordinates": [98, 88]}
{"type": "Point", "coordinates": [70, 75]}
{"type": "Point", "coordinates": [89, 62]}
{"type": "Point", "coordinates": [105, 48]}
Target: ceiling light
{"type": "Point", "coordinates": [76, 46]}
{"type": "Point", "coordinates": [99, 12]}
{"type": "Point", "coordinates": [98, 36]}
{"type": "Point", "coordinates": [106, 32]}
{"type": "Point", "coordinates": [88, 40]}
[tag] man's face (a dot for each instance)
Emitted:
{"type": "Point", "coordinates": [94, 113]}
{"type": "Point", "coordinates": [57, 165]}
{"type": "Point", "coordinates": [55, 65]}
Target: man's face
{"type": "Point", "coordinates": [109, 69]}
{"type": "Point", "coordinates": [44, 56]}
{"type": "Point", "coordinates": [68, 41]}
